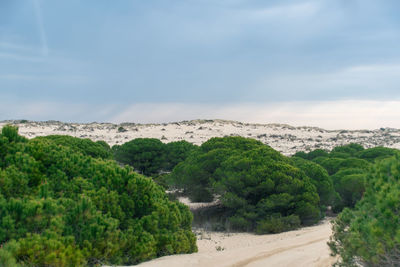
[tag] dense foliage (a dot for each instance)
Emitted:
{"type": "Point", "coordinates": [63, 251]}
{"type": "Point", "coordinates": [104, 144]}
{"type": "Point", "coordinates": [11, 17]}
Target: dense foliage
{"type": "Point", "coordinates": [348, 167]}
{"type": "Point", "coordinates": [259, 188]}
{"type": "Point", "coordinates": [319, 177]}
{"type": "Point", "coordinates": [99, 149]}
{"type": "Point", "coordinates": [369, 235]}
{"type": "Point", "coordinates": [150, 156]}
{"type": "Point", "coordinates": [61, 207]}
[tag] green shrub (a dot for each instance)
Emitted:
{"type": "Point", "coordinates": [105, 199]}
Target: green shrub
{"type": "Point", "coordinates": [351, 149]}
{"type": "Point", "coordinates": [350, 185]}
{"type": "Point", "coordinates": [369, 235]}
{"type": "Point", "coordinates": [61, 207]}
{"type": "Point", "coordinates": [99, 149]}
{"type": "Point", "coordinates": [122, 129]}
{"type": "Point", "coordinates": [319, 177]}
{"type": "Point", "coordinates": [7, 258]}
{"type": "Point", "coordinates": [374, 153]}
{"type": "Point", "coordinates": [277, 224]}
{"type": "Point", "coordinates": [251, 180]}
{"type": "Point", "coordinates": [150, 156]}
{"type": "Point", "coordinates": [239, 223]}
{"type": "Point", "coordinates": [347, 166]}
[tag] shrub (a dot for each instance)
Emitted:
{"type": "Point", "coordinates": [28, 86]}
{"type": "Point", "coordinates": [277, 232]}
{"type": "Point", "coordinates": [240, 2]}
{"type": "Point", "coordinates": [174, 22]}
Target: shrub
{"type": "Point", "coordinates": [251, 180]}
{"type": "Point", "coordinates": [99, 149]}
{"type": "Point", "coordinates": [347, 166]}
{"type": "Point", "coordinates": [61, 207]}
{"type": "Point", "coordinates": [150, 156]}
{"type": "Point", "coordinates": [351, 149]}
{"type": "Point", "coordinates": [277, 224]}
{"type": "Point", "coordinates": [369, 235]}
{"type": "Point", "coordinates": [374, 153]}
{"type": "Point", "coordinates": [146, 155]}
{"type": "Point", "coordinates": [319, 177]}
{"type": "Point", "coordinates": [122, 129]}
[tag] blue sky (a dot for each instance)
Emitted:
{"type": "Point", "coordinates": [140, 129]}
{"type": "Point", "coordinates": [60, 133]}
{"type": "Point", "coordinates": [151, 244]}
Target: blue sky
{"type": "Point", "coordinates": [156, 61]}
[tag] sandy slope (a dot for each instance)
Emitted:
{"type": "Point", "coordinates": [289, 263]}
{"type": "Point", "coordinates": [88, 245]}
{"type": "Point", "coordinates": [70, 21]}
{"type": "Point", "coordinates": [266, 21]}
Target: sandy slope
{"type": "Point", "coordinates": [301, 248]}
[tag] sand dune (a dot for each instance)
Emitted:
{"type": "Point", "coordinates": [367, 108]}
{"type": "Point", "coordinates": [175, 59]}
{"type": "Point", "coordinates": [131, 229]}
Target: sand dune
{"type": "Point", "coordinates": [284, 138]}
{"type": "Point", "coordinates": [301, 248]}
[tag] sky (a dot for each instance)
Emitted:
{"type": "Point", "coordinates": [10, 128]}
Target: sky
{"type": "Point", "coordinates": [332, 64]}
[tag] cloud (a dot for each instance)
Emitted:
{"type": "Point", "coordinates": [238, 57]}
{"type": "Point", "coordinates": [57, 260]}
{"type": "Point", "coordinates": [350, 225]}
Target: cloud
{"type": "Point", "coordinates": [283, 12]}
{"type": "Point", "coordinates": [10, 108]}
{"type": "Point", "coordinates": [19, 57]}
{"type": "Point", "coordinates": [14, 46]}
{"type": "Point", "coordinates": [57, 78]}
{"type": "Point", "coordinates": [40, 25]}
{"type": "Point", "coordinates": [370, 81]}
{"type": "Point", "coordinates": [209, 51]}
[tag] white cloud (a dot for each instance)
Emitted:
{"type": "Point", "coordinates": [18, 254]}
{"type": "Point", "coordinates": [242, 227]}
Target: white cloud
{"type": "Point", "coordinates": [15, 46]}
{"type": "Point", "coordinates": [58, 78]}
{"type": "Point", "coordinates": [48, 110]}
{"type": "Point", "coordinates": [359, 81]}
{"type": "Point", "coordinates": [20, 57]}
{"type": "Point", "coordinates": [374, 68]}
{"type": "Point", "coordinates": [292, 11]}
{"type": "Point", "coordinates": [42, 31]}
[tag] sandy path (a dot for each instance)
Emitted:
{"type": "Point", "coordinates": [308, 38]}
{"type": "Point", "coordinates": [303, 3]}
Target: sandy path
{"type": "Point", "coordinates": [304, 247]}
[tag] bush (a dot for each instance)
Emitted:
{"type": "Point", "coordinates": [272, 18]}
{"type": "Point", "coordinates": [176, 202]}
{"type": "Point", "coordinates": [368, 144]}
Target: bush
{"type": "Point", "coordinates": [251, 180]}
{"type": "Point", "coordinates": [347, 166]}
{"type": "Point", "coordinates": [146, 155]}
{"type": "Point", "coordinates": [61, 207]}
{"type": "Point", "coordinates": [350, 185]}
{"type": "Point", "coordinates": [99, 149]}
{"type": "Point", "coordinates": [351, 149]}
{"type": "Point", "coordinates": [239, 223]}
{"type": "Point", "coordinates": [278, 224]}
{"type": "Point", "coordinates": [150, 156]}
{"type": "Point", "coordinates": [375, 153]}
{"type": "Point", "coordinates": [369, 235]}
{"type": "Point", "coordinates": [319, 177]}
{"type": "Point", "coordinates": [122, 129]}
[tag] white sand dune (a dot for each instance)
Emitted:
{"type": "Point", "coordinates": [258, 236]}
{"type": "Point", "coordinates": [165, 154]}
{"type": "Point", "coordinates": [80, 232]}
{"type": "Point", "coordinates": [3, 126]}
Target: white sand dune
{"type": "Point", "coordinates": [284, 138]}
{"type": "Point", "coordinates": [305, 247]}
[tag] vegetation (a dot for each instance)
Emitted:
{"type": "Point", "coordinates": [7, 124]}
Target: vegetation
{"type": "Point", "coordinates": [367, 182]}
{"type": "Point", "coordinates": [369, 235]}
{"type": "Point", "coordinates": [320, 178]}
{"type": "Point", "coordinates": [348, 167]}
{"type": "Point", "coordinates": [259, 188]}
{"type": "Point", "coordinates": [150, 156]}
{"type": "Point", "coordinates": [61, 207]}
{"type": "Point", "coordinates": [99, 149]}
{"type": "Point", "coordinates": [64, 201]}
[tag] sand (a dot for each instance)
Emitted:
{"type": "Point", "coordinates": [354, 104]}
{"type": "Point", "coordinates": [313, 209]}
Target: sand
{"type": "Point", "coordinates": [305, 247]}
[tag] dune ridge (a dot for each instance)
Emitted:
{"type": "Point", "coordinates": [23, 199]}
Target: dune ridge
{"type": "Point", "coordinates": [282, 137]}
